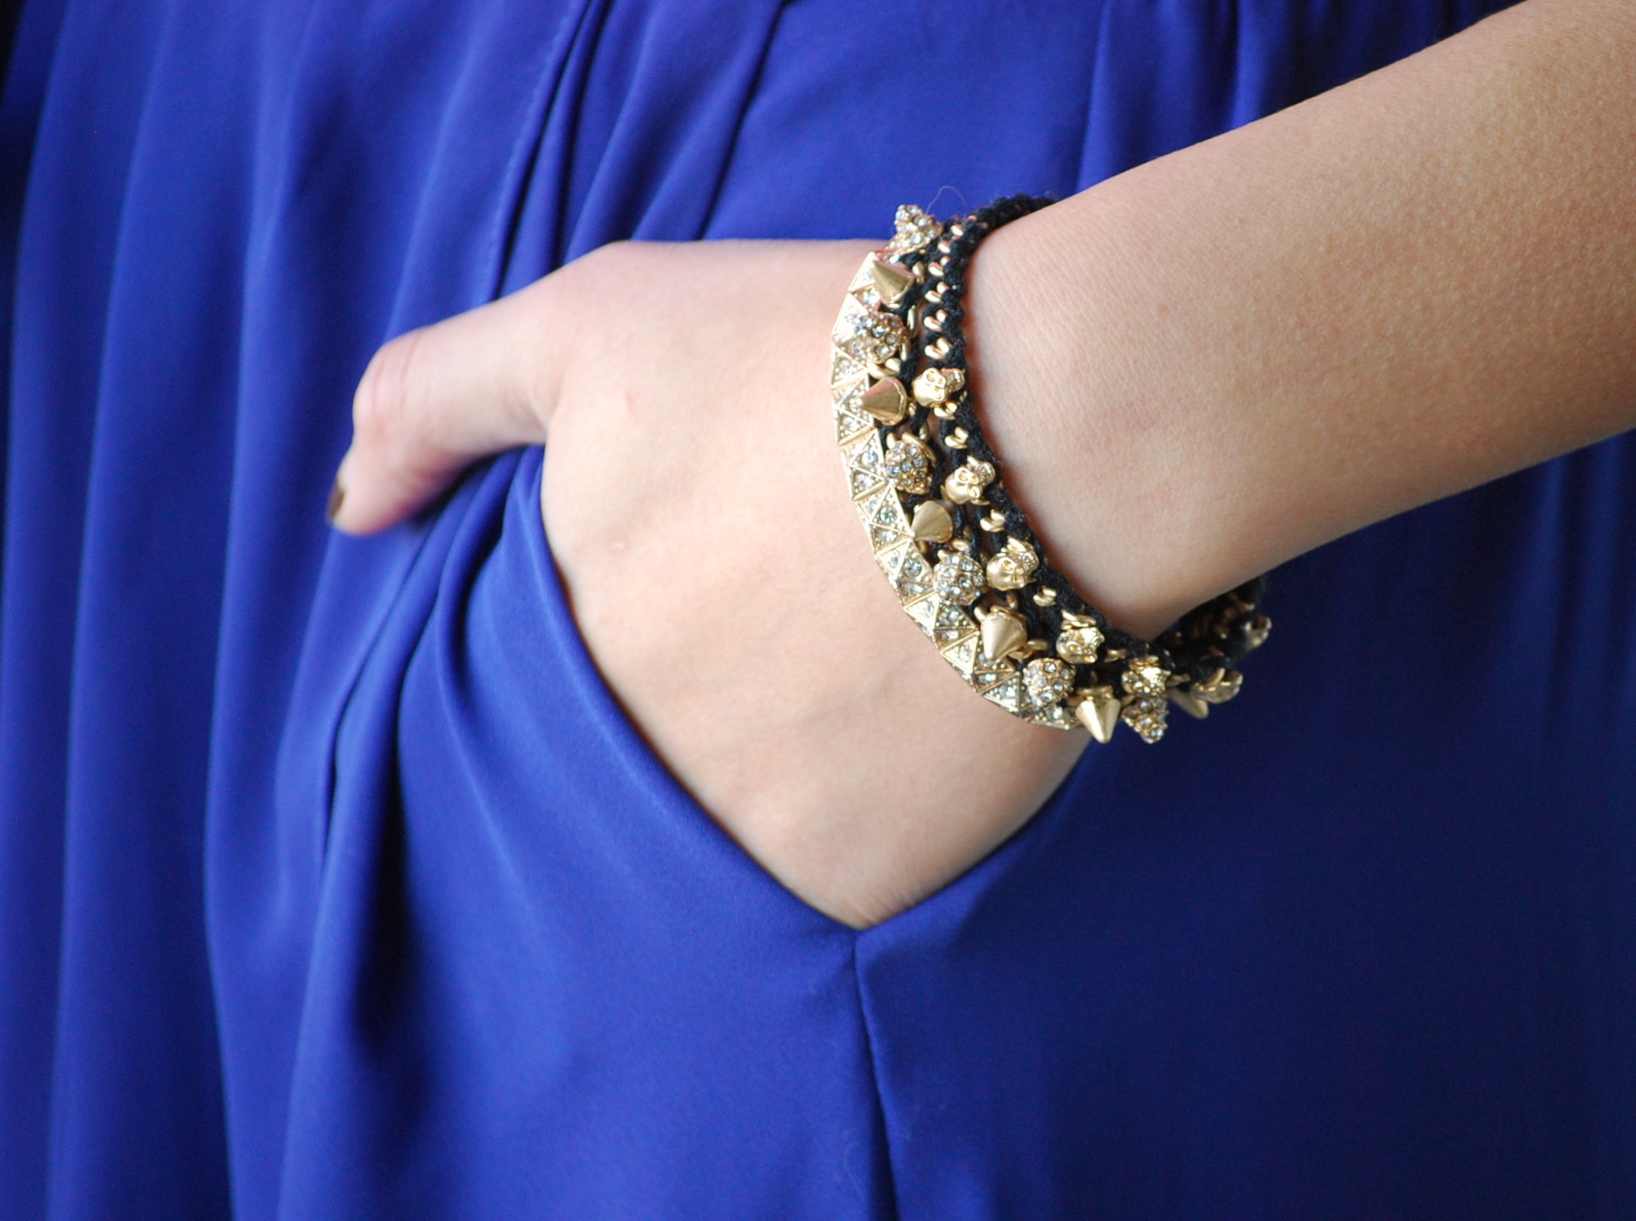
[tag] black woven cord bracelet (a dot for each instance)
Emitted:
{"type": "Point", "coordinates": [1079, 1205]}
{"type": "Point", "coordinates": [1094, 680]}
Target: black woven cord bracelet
{"type": "Point", "coordinates": [959, 551]}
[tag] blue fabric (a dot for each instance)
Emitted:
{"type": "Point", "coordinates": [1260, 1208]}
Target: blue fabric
{"type": "Point", "coordinates": [333, 884]}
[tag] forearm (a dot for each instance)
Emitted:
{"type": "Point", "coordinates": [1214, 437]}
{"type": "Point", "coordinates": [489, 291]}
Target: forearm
{"type": "Point", "coordinates": [1403, 288]}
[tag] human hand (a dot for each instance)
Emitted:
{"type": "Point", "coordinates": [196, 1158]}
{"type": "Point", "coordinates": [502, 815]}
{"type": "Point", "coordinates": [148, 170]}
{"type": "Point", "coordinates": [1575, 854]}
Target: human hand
{"type": "Point", "coordinates": [698, 513]}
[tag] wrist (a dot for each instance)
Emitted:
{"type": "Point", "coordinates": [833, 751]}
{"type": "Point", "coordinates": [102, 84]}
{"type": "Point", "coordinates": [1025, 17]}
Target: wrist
{"type": "Point", "coordinates": [1069, 374]}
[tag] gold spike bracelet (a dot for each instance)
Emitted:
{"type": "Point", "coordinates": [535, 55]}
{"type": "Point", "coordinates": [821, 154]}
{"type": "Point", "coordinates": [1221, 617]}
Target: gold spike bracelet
{"type": "Point", "coordinates": [957, 550]}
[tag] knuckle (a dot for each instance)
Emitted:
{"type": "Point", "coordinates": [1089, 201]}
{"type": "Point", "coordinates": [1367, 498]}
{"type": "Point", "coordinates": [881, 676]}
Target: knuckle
{"type": "Point", "coordinates": [381, 400]}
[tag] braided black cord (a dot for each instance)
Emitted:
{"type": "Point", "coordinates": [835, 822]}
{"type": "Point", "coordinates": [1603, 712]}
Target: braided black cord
{"type": "Point", "coordinates": [1209, 637]}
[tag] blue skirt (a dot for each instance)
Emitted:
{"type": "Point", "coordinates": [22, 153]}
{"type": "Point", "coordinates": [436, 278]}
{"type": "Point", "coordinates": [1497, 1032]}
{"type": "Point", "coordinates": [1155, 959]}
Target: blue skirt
{"type": "Point", "coordinates": [333, 883]}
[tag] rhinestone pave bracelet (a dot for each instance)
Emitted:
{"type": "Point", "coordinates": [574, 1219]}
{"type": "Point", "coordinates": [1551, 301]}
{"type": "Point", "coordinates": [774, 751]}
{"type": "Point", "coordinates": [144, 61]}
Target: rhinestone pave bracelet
{"type": "Point", "coordinates": [956, 548]}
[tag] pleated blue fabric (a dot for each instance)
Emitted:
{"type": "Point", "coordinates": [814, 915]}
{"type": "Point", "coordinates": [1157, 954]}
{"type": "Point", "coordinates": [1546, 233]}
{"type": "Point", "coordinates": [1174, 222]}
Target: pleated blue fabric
{"type": "Point", "coordinates": [333, 884]}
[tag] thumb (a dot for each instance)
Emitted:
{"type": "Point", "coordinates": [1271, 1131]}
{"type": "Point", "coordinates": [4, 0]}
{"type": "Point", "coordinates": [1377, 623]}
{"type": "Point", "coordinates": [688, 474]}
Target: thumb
{"type": "Point", "coordinates": [434, 400]}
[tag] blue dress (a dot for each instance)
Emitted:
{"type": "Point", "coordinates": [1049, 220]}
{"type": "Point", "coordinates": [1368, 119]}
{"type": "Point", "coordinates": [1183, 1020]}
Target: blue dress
{"type": "Point", "coordinates": [333, 883]}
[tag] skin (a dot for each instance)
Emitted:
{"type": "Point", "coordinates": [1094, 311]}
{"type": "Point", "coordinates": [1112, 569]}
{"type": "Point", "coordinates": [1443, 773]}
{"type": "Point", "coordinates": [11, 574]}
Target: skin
{"type": "Point", "coordinates": [1411, 285]}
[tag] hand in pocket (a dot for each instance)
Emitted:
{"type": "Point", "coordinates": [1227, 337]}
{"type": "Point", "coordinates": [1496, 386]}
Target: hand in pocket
{"type": "Point", "coordinates": [697, 509]}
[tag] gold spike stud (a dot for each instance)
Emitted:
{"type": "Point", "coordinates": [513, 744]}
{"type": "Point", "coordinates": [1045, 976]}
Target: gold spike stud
{"type": "Point", "coordinates": [1188, 702]}
{"type": "Point", "coordinates": [1003, 634]}
{"type": "Point", "coordinates": [886, 400]}
{"type": "Point", "coordinates": [892, 280]}
{"type": "Point", "coordinates": [932, 523]}
{"type": "Point", "coordinates": [1099, 713]}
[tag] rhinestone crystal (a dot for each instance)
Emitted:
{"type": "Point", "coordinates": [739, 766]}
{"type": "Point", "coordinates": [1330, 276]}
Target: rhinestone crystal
{"type": "Point", "coordinates": [952, 624]}
{"type": "Point", "coordinates": [909, 466]}
{"type": "Point", "coordinates": [913, 579]}
{"type": "Point", "coordinates": [1146, 715]}
{"type": "Point", "coordinates": [1047, 680]}
{"type": "Point", "coordinates": [915, 229]}
{"type": "Point", "coordinates": [872, 336]}
{"type": "Point", "coordinates": [958, 578]}
{"type": "Point", "coordinates": [1054, 716]}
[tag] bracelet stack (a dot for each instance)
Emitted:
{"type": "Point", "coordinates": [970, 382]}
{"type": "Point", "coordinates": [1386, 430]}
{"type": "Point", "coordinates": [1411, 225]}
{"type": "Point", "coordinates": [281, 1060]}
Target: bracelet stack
{"type": "Point", "coordinates": [955, 546]}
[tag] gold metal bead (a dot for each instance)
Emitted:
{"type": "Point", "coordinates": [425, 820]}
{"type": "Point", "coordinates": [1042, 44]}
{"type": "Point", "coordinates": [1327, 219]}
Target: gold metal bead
{"type": "Point", "coordinates": [958, 438]}
{"type": "Point", "coordinates": [915, 229]}
{"type": "Point", "coordinates": [1004, 633]}
{"type": "Point", "coordinates": [992, 522]}
{"type": "Point", "coordinates": [1014, 566]}
{"type": "Point", "coordinates": [908, 465]}
{"type": "Point", "coordinates": [1079, 641]}
{"type": "Point", "coordinates": [1220, 687]}
{"type": "Point", "coordinates": [1188, 702]}
{"type": "Point", "coordinates": [1047, 680]}
{"type": "Point", "coordinates": [958, 578]}
{"type": "Point", "coordinates": [1098, 711]}
{"type": "Point", "coordinates": [886, 400]}
{"type": "Point", "coordinates": [932, 522]}
{"type": "Point", "coordinates": [965, 485]}
{"type": "Point", "coordinates": [1256, 631]}
{"type": "Point", "coordinates": [870, 335]}
{"type": "Point", "coordinates": [892, 280]}
{"type": "Point", "coordinates": [1146, 715]}
{"type": "Point", "coordinates": [1145, 676]}
{"type": "Point", "coordinates": [935, 386]}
